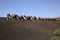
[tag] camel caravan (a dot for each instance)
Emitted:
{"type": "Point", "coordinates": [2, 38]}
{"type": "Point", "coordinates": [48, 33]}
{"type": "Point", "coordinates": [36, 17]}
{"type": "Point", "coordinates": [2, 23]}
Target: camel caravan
{"type": "Point", "coordinates": [30, 18]}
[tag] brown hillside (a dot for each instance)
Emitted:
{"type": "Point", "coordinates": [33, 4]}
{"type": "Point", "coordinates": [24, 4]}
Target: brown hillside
{"type": "Point", "coordinates": [14, 29]}
{"type": "Point", "coordinates": [58, 18]}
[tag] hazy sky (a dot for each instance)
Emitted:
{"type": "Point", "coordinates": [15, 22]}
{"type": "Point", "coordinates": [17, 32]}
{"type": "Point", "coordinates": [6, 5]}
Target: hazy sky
{"type": "Point", "coordinates": [41, 8]}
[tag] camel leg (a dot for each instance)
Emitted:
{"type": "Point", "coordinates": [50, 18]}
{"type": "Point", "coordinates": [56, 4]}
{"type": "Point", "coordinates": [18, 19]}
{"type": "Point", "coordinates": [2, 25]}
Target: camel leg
{"type": "Point", "coordinates": [8, 15]}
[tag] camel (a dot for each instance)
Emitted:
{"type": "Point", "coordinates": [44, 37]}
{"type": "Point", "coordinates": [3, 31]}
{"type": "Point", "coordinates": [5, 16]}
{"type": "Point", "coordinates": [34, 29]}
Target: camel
{"type": "Point", "coordinates": [48, 19]}
{"type": "Point", "coordinates": [39, 18]}
{"type": "Point", "coordinates": [28, 17]}
{"type": "Point", "coordinates": [12, 16]}
{"type": "Point", "coordinates": [8, 16]}
{"type": "Point", "coordinates": [42, 19]}
{"type": "Point", "coordinates": [34, 18]}
{"type": "Point", "coordinates": [21, 18]}
{"type": "Point", "coordinates": [53, 19]}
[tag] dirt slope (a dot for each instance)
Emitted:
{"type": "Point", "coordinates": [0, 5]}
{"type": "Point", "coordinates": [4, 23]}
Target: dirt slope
{"type": "Point", "coordinates": [13, 29]}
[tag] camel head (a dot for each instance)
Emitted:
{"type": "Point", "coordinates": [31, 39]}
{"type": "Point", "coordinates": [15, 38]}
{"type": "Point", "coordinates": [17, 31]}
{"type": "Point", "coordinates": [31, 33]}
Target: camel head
{"type": "Point", "coordinates": [25, 16]}
{"type": "Point", "coordinates": [8, 14]}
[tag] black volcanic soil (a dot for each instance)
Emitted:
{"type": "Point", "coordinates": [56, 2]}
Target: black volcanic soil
{"type": "Point", "coordinates": [14, 29]}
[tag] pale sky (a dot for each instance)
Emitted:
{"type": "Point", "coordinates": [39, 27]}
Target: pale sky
{"type": "Point", "coordinates": [39, 8]}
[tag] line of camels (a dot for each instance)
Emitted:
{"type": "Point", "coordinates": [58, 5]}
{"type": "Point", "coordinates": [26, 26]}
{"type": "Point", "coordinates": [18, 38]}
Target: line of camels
{"type": "Point", "coordinates": [30, 18]}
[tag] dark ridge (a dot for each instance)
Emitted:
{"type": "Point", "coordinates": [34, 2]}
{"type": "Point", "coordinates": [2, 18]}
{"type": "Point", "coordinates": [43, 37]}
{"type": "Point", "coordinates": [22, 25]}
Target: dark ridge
{"type": "Point", "coordinates": [3, 17]}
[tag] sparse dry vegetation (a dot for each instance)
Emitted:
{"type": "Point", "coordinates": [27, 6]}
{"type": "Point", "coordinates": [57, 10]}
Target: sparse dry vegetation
{"type": "Point", "coordinates": [56, 34]}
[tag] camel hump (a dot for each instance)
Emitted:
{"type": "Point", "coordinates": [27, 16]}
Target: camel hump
{"type": "Point", "coordinates": [13, 14]}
